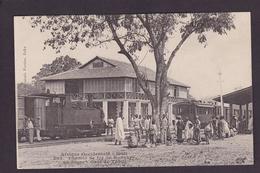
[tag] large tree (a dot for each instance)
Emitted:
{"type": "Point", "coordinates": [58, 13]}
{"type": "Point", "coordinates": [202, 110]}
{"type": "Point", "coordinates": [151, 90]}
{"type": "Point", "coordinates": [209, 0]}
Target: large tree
{"type": "Point", "coordinates": [132, 33]}
{"type": "Point", "coordinates": [60, 64]}
{"type": "Point", "coordinates": [24, 89]}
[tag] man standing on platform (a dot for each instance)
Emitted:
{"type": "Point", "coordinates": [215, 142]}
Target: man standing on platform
{"type": "Point", "coordinates": [180, 128]}
{"type": "Point", "coordinates": [30, 130]}
{"type": "Point", "coordinates": [164, 127]}
{"type": "Point", "coordinates": [196, 132]}
{"type": "Point", "coordinates": [119, 134]}
{"type": "Point", "coordinates": [137, 127]}
{"type": "Point", "coordinates": [147, 127]}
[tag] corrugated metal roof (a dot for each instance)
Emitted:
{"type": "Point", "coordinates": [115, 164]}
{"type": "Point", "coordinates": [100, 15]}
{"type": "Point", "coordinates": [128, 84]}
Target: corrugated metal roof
{"type": "Point", "coordinates": [120, 69]}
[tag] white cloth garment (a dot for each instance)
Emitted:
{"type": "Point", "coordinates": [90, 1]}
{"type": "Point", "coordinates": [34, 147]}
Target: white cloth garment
{"type": "Point", "coordinates": [119, 134]}
{"type": "Point", "coordinates": [188, 131]}
{"type": "Point", "coordinates": [250, 124]}
{"type": "Point", "coordinates": [226, 128]}
{"type": "Point", "coordinates": [30, 124]}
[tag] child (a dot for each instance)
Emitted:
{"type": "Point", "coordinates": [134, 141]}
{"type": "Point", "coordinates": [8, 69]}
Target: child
{"type": "Point", "coordinates": [153, 133]}
{"type": "Point", "coordinates": [132, 140]}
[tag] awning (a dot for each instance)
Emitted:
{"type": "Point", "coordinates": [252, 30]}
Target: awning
{"type": "Point", "coordinates": [239, 97]}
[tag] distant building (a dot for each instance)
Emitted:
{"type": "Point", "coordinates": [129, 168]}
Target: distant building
{"type": "Point", "coordinates": [113, 86]}
{"type": "Point", "coordinates": [237, 103]}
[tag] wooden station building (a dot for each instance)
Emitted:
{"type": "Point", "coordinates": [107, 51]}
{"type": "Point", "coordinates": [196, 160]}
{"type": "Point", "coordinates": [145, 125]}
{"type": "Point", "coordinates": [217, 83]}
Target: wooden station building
{"type": "Point", "coordinates": [113, 86]}
{"type": "Point", "coordinates": [240, 104]}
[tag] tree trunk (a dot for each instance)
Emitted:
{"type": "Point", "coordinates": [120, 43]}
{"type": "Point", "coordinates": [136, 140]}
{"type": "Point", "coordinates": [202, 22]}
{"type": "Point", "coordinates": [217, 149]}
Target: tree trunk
{"type": "Point", "coordinates": [164, 93]}
{"type": "Point", "coordinates": [157, 106]}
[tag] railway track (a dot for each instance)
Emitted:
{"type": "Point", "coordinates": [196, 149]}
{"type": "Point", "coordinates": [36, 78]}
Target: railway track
{"type": "Point", "coordinates": [46, 143]}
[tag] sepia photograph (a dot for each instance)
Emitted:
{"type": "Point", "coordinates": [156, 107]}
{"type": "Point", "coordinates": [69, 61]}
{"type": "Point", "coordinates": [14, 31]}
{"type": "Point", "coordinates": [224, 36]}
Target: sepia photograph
{"type": "Point", "coordinates": [133, 90]}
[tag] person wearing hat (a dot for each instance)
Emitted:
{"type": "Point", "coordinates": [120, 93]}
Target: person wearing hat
{"type": "Point", "coordinates": [180, 128]}
{"type": "Point", "coordinates": [196, 130]}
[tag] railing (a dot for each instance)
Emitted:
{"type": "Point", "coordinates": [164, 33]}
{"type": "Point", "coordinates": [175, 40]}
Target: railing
{"type": "Point", "coordinates": [132, 95]}
{"type": "Point", "coordinates": [117, 95]}
{"type": "Point", "coordinates": [107, 95]}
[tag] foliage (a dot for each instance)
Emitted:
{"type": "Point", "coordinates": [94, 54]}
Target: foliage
{"type": "Point", "coordinates": [133, 32]}
{"type": "Point", "coordinates": [24, 89]}
{"type": "Point", "coordinates": [60, 64]}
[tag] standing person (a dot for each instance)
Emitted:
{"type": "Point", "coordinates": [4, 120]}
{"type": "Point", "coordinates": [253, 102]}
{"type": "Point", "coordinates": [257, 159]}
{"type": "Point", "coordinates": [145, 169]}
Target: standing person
{"type": "Point", "coordinates": [147, 128]}
{"type": "Point", "coordinates": [173, 130]}
{"type": "Point", "coordinates": [164, 127]}
{"type": "Point", "coordinates": [250, 124]}
{"type": "Point", "coordinates": [119, 133]}
{"type": "Point", "coordinates": [153, 133]}
{"type": "Point", "coordinates": [215, 127]}
{"type": "Point", "coordinates": [38, 129]}
{"type": "Point", "coordinates": [208, 131]}
{"type": "Point", "coordinates": [233, 125]}
{"type": "Point", "coordinates": [221, 127]}
{"type": "Point", "coordinates": [180, 127]}
{"type": "Point", "coordinates": [243, 124]}
{"type": "Point", "coordinates": [188, 131]}
{"type": "Point", "coordinates": [233, 122]}
{"type": "Point", "coordinates": [30, 130]}
{"type": "Point", "coordinates": [110, 125]}
{"type": "Point", "coordinates": [196, 130]}
{"type": "Point", "coordinates": [142, 119]}
{"type": "Point", "coordinates": [226, 128]}
{"type": "Point", "coordinates": [137, 127]}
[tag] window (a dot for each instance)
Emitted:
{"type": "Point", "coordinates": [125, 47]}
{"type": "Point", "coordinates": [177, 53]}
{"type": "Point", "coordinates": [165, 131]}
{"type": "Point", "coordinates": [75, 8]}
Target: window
{"type": "Point", "coordinates": [135, 86]}
{"type": "Point", "coordinates": [98, 64]}
{"type": "Point", "coordinates": [176, 92]}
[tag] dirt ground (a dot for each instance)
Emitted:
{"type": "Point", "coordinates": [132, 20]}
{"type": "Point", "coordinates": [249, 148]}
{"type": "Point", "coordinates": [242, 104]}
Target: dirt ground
{"type": "Point", "coordinates": [230, 151]}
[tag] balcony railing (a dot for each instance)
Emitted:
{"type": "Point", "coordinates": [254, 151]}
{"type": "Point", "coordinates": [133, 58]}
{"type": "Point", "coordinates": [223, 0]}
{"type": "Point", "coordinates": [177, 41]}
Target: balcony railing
{"type": "Point", "coordinates": [116, 95]}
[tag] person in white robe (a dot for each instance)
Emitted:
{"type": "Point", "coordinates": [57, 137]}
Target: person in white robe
{"type": "Point", "coordinates": [188, 131]}
{"type": "Point", "coordinates": [250, 124]}
{"type": "Point", "coordinates": [119, 132]}
{"type": "Point", "coordinates": [226, 129]}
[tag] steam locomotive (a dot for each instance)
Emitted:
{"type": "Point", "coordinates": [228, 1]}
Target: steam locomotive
{"type": "Point", "coordinates": [56, 115]}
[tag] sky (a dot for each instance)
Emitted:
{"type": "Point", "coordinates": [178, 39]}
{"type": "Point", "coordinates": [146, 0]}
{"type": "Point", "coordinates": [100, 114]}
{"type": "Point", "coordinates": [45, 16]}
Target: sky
{"type": "Point", "coordinates": [195, 65]}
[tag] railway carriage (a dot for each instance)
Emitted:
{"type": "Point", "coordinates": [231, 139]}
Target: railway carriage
{"type": "Point", "coordinates": [191, 109]}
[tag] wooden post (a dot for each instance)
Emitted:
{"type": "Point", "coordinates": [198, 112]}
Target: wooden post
{"type": "Point", "coordinates": [230, 111]}
{"type": "Point", "coordinates": [241, 119]}
{"type": "Point", "coordinates": [125, 114]}
{"type": "Point", "coordinates": [105, 109]}
{"type": "Point", "coordinates": [247, 116]}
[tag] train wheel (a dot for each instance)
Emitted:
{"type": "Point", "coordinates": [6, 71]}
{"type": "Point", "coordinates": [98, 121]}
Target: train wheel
{"type": "Point", "coordinates": [64, 136]}
{"type": "Point", "coordinates": [98, 134]}
{"type": "Point", "coordinates": [53, 137]}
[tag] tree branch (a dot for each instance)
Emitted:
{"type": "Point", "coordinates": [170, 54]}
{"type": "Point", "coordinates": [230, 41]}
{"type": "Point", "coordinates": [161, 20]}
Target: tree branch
{"type": "Point", "coordinates": [130, 58]}
{"type": "Point", "coordinates": [147, 27]}
{"type": "Point", "coordinates": [177, 48]}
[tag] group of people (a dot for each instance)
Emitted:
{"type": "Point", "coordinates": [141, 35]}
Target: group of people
{"type": "Point", "coordinates": [30, 127]}
{"type": "Point", "coordinates": [181, 130]}
{"type": "Point", "coordinates": [188, 131]}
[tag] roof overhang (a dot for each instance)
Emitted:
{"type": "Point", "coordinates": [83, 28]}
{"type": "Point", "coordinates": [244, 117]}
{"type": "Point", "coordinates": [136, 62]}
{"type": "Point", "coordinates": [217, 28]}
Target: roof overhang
{"type": "Point", "coordinates": [239, 97]}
